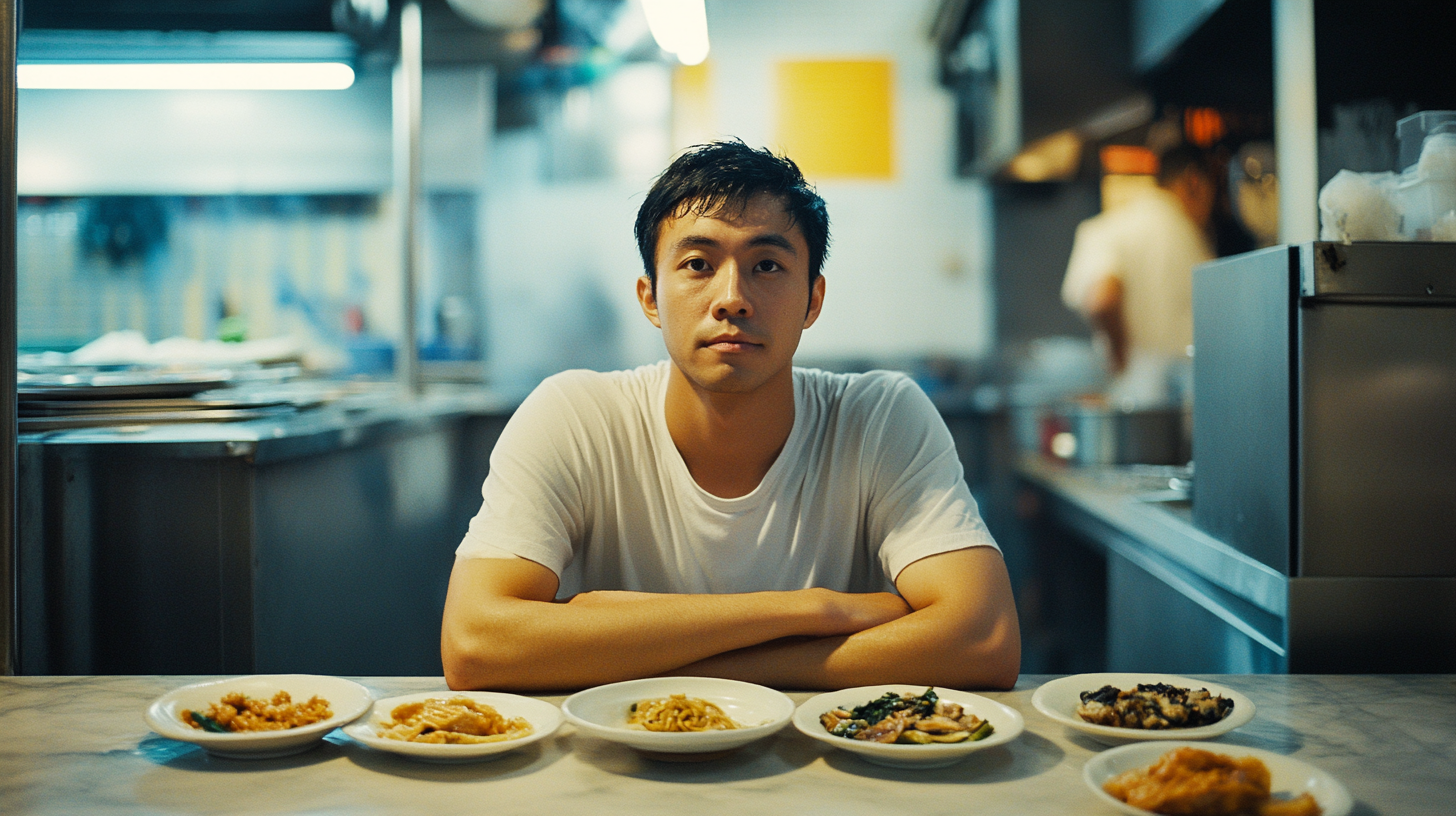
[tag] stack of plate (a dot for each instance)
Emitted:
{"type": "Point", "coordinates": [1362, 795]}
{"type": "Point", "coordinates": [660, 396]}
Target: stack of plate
{"type": "Point", "coordinates": [77, 397]}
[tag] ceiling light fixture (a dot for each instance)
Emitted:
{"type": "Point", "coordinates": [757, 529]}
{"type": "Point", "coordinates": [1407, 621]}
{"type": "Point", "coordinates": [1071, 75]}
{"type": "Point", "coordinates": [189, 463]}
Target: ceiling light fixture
{"type": "Point", "coordinates": [211, 76]}
{"type": "Point", "coordinates": [680, 27]}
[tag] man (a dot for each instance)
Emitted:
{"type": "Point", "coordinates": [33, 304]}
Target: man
{"type": "Point", "coordinates": [1131, 269]}
{"type": "Point", "coordinates": [722, 513]}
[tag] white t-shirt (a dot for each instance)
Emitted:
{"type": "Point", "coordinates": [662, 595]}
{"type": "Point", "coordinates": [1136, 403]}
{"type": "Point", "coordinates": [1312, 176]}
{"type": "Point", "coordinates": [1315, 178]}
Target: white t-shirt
{"type": "Point", "coordinates": [586, 481]}
{"type": "Point", "coordinates": [1152, 245]}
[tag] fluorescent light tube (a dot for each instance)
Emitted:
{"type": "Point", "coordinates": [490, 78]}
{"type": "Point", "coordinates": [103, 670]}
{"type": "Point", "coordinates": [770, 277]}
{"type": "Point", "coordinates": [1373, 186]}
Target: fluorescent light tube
{"type": "Point", "coordinates": [680, 27]}
{"type": "Point", "coordinates": [209, 76]}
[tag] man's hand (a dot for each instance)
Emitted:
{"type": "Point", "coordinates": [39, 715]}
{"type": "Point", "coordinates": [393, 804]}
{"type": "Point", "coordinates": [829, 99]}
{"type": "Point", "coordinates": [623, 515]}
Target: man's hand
{"type": "Point", "coordinates": [845, 613]}
{"type": "Point", "coordinates": [838, 613]}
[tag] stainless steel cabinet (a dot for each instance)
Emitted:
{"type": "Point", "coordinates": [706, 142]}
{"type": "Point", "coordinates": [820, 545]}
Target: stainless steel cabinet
{"type": "Point", "coordinates": [1325, 442]}
{"type": "Point", "coordinates": [322, 549]}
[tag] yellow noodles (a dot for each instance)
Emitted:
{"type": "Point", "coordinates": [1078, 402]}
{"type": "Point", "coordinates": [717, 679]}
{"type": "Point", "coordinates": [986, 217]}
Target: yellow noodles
{"type": "Point", "coordinates": [678, 713]}
{"type": "Point", "coordinates": [457, 721]}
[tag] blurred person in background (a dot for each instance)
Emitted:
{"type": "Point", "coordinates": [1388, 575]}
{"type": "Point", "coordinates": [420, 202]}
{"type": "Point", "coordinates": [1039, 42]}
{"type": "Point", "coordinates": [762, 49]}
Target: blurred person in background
{"type": "Point", "coordinates": [1131, 275]}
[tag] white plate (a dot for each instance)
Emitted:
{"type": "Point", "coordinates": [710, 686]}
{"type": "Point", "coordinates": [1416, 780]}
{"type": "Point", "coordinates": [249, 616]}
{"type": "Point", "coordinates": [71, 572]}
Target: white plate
{"type": "Point", "coordinates": [1059, 699]}
{"type": "Point", "coordinates": [602, 712]}
{"type": "Point", "coordinates": [544, 718]}
{"type": "Point", "coordinates": [347, 699]}
{"type": "Point", "coordinates": [1287, 777]}
{"type": "Point", "coordinates": [1006, 721]}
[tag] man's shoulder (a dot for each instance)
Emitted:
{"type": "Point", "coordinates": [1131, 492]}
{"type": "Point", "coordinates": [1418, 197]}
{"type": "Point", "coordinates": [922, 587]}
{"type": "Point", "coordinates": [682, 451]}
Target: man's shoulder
{"type": "Point", "coordinates": [629, 384]}
{"type": "Point", "coordinates": [595, 399]}
{"type": "Point", "coordinates": [858, 394]}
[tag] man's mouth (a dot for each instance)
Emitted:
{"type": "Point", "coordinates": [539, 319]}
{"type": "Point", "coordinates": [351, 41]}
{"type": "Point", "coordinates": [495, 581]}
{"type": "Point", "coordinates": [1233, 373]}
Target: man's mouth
{"type": "Point", "coordinates": [730, 343]}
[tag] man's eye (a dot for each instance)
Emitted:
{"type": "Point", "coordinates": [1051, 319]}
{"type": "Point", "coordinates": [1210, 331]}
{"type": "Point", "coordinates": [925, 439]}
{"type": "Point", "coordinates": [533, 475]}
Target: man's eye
{"type": "Point", "coordinates": [769, 266]}
{"type": "Point", "coordinates": [697, 264]}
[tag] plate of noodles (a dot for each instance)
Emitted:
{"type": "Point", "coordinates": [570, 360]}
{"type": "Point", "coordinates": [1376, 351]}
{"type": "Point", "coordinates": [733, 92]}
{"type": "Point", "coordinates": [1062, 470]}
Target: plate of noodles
{"type": "Point", "coordinates": [984, 722]}
{"type": "Point", "coordinates": [258, 716]}
{"type": "Point", "coordinates": [1181, 777]}
{"type": "Point", "coordinates": [679, 718]}
{"type": "Point", "coordinates": [455, 726]}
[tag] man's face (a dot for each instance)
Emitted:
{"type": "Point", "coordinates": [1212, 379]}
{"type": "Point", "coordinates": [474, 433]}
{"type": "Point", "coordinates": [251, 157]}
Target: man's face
{"type": "Point", "coordinates": [732, 295]}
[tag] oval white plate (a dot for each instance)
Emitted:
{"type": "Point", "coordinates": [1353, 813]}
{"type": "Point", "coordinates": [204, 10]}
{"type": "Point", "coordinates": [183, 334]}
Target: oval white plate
{"type": "Point", "coordinates": [602, 712]}
{"type": "Point", "coordinates": [544, 718]}
{"type": "Point", "coordinates": [1287, 776]}
{"type": "Point", "coordinates": [347, 699]}
{"type": "Point", "coordinates": [1006, 721]}
{"type": "Point", "coordinates": [1058, 699]}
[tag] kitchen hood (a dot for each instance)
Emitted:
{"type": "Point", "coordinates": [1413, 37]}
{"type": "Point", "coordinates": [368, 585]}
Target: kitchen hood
{"type": "Point", "coordinates": [1023, 71]}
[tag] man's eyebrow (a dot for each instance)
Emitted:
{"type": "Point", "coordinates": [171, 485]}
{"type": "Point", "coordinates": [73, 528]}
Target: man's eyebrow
{"type": "Point", "coordinates": [695, 242]}
{"type": "Point", "coordinates": [773, 239]}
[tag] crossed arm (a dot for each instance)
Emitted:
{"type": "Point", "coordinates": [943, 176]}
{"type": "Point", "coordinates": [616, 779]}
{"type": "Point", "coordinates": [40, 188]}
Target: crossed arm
{"type": "Point", "coordinates": [953, 624]}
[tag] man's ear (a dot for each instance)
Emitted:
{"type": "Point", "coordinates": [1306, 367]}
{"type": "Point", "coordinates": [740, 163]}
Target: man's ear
{"type": "Point", "coordinates": [647, 299]}
{"type": "Point", "coordinates": [816, 301]}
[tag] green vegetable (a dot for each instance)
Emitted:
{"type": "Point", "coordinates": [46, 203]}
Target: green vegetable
{"type": "Point", "coordinates": [848, 728]}
{"type": "Point", "coordinates": [209, 724]}
{"type": "Point", "coordinates": [982, 732]}
{"type": "Point", "coordinates": [876, 710]}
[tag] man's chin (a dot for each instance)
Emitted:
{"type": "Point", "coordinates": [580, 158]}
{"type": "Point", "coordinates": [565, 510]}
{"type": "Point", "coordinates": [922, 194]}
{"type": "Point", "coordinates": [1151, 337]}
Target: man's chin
{"type": "Point", "coordinates": [725, 378]}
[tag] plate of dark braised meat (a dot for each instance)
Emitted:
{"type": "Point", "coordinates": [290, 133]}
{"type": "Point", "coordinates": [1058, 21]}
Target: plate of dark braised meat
{"type": "Point", "coordinates": [1116, 708]}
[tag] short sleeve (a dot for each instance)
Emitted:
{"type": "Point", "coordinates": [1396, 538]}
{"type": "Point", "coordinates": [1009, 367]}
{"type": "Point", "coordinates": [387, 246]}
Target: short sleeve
{"type": "Point", "coordinates": [1094, 257]}
{"type": "Point", "coordinates": [919, 504]}
{"type": "Point", "coordinates": [533, 500]}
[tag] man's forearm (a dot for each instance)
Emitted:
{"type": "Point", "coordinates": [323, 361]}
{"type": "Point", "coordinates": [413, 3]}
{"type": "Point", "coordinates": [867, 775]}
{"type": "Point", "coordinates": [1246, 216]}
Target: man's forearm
{"type": "Point", "coordinates": [1105, 313]}
{"type": "Point", "coordinates": [963, 634]}
{"type": "Point", "coordinates": [531, 643]}
{"type": "Point", "coordinates": [910, 650]}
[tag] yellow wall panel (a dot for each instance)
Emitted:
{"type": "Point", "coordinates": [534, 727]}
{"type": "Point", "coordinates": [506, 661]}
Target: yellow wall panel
{"type": "Point", "coordinates": [693, 118]}
{"type": "Point", "coordinates": [836, 117]}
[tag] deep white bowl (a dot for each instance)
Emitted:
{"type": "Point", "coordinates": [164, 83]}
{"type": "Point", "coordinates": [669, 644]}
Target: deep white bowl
{"type": "Point", "coordinates": [1287, 776]}
{"type": "Point", "coordinates": [602, 712]}
{"type": "Point", "coordinates": [544, 718]}
{"type": "Point", "coordinates": [1006, 721]}
{"type": "Point", "coordinates": [347, 699]}
{"type": "Point", "coordinates": [1058, 699]}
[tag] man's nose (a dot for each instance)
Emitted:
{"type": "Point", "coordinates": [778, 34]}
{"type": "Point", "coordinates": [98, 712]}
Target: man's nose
{"type": "Point", "coordinates": [729, 296]}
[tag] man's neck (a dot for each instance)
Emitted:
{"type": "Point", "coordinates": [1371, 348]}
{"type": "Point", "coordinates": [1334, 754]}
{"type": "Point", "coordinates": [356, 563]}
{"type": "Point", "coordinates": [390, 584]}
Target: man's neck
{"type": "Point", "coordinates": [729, 441]}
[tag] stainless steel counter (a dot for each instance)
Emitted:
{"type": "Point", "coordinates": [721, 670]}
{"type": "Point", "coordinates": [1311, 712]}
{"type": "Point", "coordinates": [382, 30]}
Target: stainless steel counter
{"type": "Point", "coordinates": [291, 544]}
{"type": "Point", "coordinates": [78, 745]}
{"type": "Point", "coordinates": [1234, 613]}
{"type": "Point", "coordinates": [1230, 609]}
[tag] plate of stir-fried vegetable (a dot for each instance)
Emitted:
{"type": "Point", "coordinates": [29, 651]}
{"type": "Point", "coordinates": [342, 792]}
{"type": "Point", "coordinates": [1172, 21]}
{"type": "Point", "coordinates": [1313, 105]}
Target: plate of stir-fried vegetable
{"type": "Point", "coordinates": [908, 726]}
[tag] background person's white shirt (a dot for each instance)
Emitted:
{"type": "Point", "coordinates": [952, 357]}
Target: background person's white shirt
{"type": "Point", "coordinates": [1152, 245]}
{"type": "Point", "coordinates": [586, 481]}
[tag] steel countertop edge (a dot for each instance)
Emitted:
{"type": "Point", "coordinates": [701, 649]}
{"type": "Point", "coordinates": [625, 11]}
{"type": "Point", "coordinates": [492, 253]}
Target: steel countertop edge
{"type": "Point", "coordinates": [343, 423]}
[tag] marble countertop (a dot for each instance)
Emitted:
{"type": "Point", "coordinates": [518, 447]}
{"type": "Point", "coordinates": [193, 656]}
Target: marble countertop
{"type": "Point", "coordinates": [78, 745]}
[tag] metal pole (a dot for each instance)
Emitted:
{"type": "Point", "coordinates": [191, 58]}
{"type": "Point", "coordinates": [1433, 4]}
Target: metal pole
{"type": "Point", "coordinates": [408, 88]}
{"type": "Point", "coordinates": [1296, 121]}
{"type": "Point", "coordinates": [9, 25]}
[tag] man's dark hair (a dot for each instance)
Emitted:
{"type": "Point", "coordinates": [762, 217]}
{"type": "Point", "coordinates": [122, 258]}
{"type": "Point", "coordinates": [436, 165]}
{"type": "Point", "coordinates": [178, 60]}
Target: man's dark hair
{"type": "Point", "coordinates": [1179, 160]}
{"type": "Point", "coordinates": [720, 177]}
